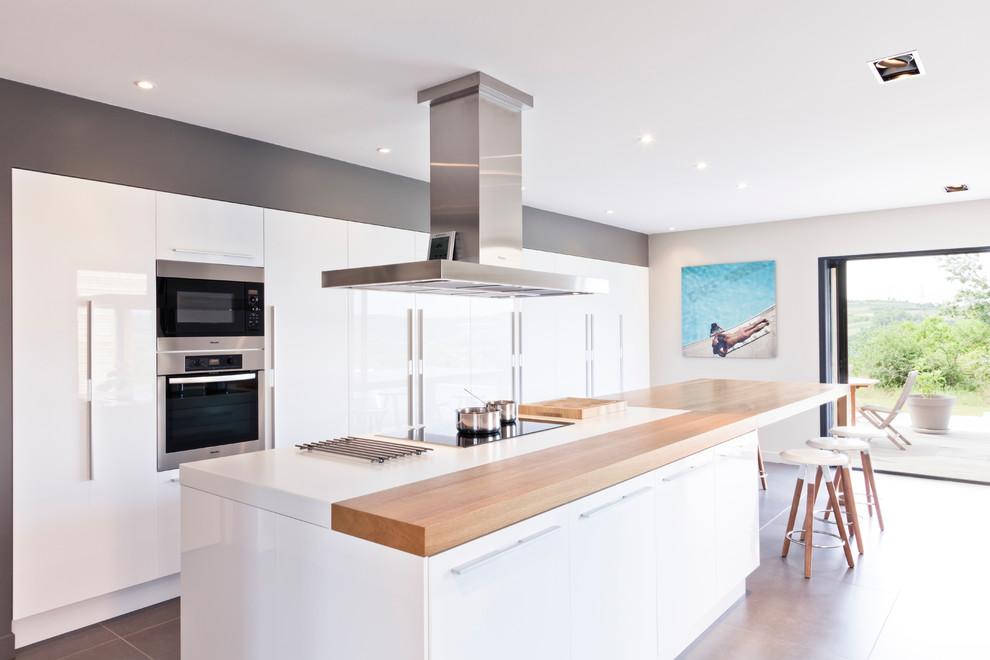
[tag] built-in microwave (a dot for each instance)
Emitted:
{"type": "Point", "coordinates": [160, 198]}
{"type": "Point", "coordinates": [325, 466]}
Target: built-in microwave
{"type": "Point", "coordinates": [197, 300]}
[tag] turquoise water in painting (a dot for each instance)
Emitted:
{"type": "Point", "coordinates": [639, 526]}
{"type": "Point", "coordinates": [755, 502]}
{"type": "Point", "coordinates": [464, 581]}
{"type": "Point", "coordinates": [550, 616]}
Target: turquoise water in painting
{"type": "Point", "coordinates": [726, 294]}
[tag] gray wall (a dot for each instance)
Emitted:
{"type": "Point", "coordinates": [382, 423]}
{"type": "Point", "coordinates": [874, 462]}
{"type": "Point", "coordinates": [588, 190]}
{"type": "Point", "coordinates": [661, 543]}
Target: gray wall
{"type": "Point", "coordinates": [49, 132]}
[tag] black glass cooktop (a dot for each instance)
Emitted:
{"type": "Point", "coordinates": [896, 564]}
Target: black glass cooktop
{"type": "Point", "coordinates": [444, 434]}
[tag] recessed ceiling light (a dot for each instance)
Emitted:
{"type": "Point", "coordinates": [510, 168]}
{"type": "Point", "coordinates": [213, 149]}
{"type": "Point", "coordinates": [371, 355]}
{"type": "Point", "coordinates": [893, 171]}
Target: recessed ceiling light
{"type": "Point", "coordinates": [523, 188]}
{"type": "Point", "coordinates": [646, 139]}
{"type": "Point", "coordinates": [895, 67]}
{"type": "Point", "coordinates": [670, 229]}
{"type": "Point", "coordinates": [700, 166]}
{"type": "Point", "coordinates": [958, 188]}
{"type": "Point", "coordinates": [609, 212]}
{"type": "Point", "coordinates": [740, 186]}
{"type": "Point", "coordinates": [144, 84]}
{"type": "Point", "coordinates": [384, 150]}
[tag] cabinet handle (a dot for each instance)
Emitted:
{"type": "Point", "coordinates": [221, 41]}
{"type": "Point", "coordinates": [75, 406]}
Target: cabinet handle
{"type": "Point", "coordinates": [609, 505]}
{"type": "Point", "coordinates": [520, 357]}
{"type": "Point", "coordinates": [213, 379]}
{"type": "Point", "coordinates": [484, 559]}
{"type": "Point", "coordinates": [682, 473]}
{"type": "Point", "coordinates": [622, 359]}
{"type": "Point", "coordinates": [419, 358]}
{"type": "Point", "coordinates": [409, 354]}
{"type": "Point", "coordinates": [89, 389]}
{"type": "Point", "coordinates": [174, 480]}
{"type": "Point", "coordinates": [233, 255]}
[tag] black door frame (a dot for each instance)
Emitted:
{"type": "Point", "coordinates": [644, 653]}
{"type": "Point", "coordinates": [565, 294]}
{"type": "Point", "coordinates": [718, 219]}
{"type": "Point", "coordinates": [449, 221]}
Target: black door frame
{"type": "Point", "coordinates": [840, 327]}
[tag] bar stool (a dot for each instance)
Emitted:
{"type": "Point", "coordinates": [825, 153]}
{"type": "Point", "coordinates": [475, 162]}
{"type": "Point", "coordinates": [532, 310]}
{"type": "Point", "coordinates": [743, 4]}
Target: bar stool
{"type": "Point", "coordinates": [843, 481]}
{"type": "Point", "coordinates": [864, 434]}
{"type": "Point", "coordinates": [808, 458]}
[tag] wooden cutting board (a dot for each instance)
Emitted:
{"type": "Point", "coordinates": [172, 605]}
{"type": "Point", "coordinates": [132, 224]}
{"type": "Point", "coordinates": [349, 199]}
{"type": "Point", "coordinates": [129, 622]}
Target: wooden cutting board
{"type": "Point", "coordinates": [572, 408]}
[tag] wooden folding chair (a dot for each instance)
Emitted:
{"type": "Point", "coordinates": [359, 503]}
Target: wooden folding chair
{"type": "Point", "coordinates": [882, 417]}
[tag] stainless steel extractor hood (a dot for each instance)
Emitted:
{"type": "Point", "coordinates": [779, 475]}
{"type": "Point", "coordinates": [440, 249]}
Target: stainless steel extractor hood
{"type": "Point", "coordinates": [475, 191]}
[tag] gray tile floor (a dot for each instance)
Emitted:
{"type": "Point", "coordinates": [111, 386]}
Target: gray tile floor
{"type": "Point", "coordinates": [149, 633]}
{"type": "Point", "coordinates": [919, 592]}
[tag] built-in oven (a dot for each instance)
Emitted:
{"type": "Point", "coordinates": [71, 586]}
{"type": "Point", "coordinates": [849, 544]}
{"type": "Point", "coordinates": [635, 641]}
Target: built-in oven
{"type": "Point", "coordinates": [221, 303]}
{"type": "Point", "coordinates": [209, 405]}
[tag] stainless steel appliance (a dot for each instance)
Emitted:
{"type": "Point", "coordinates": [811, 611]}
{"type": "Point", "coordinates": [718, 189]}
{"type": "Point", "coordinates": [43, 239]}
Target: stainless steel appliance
{"type": "Point", "coordinates": [475, 200]}
{"type": "Point", "coordinates": [447, 434]}
{"type": "Point", "coordinates": [209, 405]}
{"type": "Point", "coordinates": [209, 306]}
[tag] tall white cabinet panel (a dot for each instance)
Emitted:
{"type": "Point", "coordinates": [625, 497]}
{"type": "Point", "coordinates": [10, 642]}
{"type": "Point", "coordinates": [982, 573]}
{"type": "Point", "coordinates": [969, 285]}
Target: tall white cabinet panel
{"type": "Point", "coordinates": [492, 348]}
{"type": "Point", "coordinates": [207, 230]}
{"type": "Point", "coordinates": [539, 327]}
{"type": "Point", "coordinates": [634, 306]}
{"type": "Point", "coordinates": [686, 578]}
{"type": "Point", "coordinates": [613, 572]}
{"type": "Point", "coordinates": [443, 332]}
{"type": "Point", "coordinates": [307, 328]}
{"type": "Point", "coordinates": [504, 595]}
{"type": "Point", "coordinates": [168, 522]}
{"type": "Point", "coordinates": [84, 408]}
{"type": "Point", "coordinates": [381, 326]}
{"type": "Point", "coordinates": [736, 511]}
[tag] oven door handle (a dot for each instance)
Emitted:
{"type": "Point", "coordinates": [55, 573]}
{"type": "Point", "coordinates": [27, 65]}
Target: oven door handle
{"type": "Point", "coordinates": [212, 379]}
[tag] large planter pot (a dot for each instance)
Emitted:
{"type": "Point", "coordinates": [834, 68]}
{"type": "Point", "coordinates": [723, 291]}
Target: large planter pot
{"type": "Point", "coordinates": [930, 414]}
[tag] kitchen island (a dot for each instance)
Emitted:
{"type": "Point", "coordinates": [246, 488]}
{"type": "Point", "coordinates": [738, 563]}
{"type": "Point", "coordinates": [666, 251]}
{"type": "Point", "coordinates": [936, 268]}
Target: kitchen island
{"type": "Point", "coordinates": [551, 545]}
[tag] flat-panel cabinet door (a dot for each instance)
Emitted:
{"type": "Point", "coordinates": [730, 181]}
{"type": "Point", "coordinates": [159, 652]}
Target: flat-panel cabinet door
{"type": "Point", "coordinates": [84, 407]}
{"type": "Point", "coordinates": [504, 595]}
{"type": "Point", "coordinates": [613, 572]}
{"type": "Point", "coordinates": [381, 334]}
{"type": "Point", "coordinates": [491, 349]}
{"type": "Point", "coordinates": [208, 230]}
{"type": "Point", "coordinates": [634, 308]}
{"type": "Point", "coordinates": [736, 511]}
{"type": "Point", "coordinates": [307, 328]}
{"type": "Point", "coordinates": [686, 581]}
{"type": "Point", "coordinates": [169, 549]}
{"type": "Point", "coordinates": [538, 354]}
{"type": "Point", "coordinates": [443, 331]}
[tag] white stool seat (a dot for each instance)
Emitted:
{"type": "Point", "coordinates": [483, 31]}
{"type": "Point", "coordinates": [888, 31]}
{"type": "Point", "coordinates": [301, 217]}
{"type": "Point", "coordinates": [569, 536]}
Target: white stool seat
{"type": "Point", "coordinates": [809, 456]}
{"type": "Point", "coordinates": [857, 432]}
{"type": "Point", "coordinates": [839, 444]}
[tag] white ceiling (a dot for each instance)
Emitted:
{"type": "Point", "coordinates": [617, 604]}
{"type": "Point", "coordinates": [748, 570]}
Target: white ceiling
{"type": "Point", "coordinates": [773, 93]}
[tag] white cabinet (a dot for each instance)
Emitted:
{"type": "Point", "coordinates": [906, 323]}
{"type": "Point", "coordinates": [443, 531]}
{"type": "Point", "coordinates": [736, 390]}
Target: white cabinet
{"type": "Point", "coordinates": [381, 326]}
{"type": "Point", "coordinates": [307, 332]}
{"type": "Point", "coordinates": [686, 550]}
{"type": "Point", "coordinates": [84, 411]}
{"type": "Point", "coordinates": [207, 230]}
{"type": "Point", "coordinates": [613, 572]}
{"type": "Point", "coordinates": [538, 352]}
{"type": "Point", "coordinates": [736, 511]}
{"type": "Point", "coordinates": [504, 595]}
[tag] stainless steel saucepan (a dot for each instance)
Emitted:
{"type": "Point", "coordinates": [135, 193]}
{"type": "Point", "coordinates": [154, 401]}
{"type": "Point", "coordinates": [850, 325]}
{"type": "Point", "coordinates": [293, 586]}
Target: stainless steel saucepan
{"type": "Point", "coordinates": [478, 419]}
{"type": "Point", "coordinates": [508, 409]}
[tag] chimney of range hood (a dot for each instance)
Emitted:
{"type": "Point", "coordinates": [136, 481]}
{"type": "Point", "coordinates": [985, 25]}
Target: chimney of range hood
{"type": "Point", "coordinates": [475, 191]}
{"type": "Point", "coordinates": [476, 167]}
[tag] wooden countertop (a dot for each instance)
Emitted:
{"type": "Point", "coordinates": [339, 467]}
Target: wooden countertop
{"type": "Point", "coordinates": [433, 515]}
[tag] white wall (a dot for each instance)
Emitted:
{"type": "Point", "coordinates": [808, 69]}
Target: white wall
{"type": "Point", "coordinates": [796, 246]}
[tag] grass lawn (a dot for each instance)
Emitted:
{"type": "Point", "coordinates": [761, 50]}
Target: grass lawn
{"type": "Point", "coordinates": [967, 403]}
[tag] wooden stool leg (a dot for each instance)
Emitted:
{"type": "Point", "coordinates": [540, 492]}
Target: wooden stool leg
{"type": "Point", "coordinates": [870, 495]}
{"type": "Point", "coordinates": [809, 521]}
{"type": "Point", "coordinates": [834, 503]}
{"type": "Point", "coordinates": [760, 467]}
{"type": "Point", "coordinates": [835, 482]}
{"type": "Point", "coordinates": [792, 516]}
{"type": "Point", "coordinates": [871, 477]}
{"type": "Point", "coordinates": [850, 507]}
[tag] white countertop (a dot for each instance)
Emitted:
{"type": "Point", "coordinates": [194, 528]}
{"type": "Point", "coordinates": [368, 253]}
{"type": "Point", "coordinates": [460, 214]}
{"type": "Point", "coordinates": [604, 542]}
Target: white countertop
{"type": "Point", "coordinates": [303, 484]}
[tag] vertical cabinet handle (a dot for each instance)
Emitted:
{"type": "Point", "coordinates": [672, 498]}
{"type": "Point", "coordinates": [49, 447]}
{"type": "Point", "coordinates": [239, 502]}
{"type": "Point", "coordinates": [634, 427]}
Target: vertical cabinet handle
{"type": "Point", "coordinates": [515, 354]}
{"type": "Point", "coordinates": [494, 554]}
{"type": "Point", "coordinates": [89, 390]}
{"type": "Point", "coordinates": [520, 399]}
{"type": "Point", "coordinates": [271, 372]}
{"type": "Point", "coordinates": [419, 330]}
{"type": "Point", "coordinates": [409, 351]}
{"type": "Point", "coordinates": [608, 505]}
{"type": "Point", "coordinates": [622, 358]}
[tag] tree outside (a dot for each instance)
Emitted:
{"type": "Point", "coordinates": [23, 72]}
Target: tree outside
{"type": "Point", "coordinates": [947, 339]}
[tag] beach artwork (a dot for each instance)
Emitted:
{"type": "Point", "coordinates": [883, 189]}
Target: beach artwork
{"type": "Point", "coordinates": [729, 310]}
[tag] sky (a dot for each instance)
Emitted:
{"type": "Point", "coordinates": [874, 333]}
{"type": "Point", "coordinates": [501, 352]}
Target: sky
{"type": "Point", "coordinates": [914, 279]}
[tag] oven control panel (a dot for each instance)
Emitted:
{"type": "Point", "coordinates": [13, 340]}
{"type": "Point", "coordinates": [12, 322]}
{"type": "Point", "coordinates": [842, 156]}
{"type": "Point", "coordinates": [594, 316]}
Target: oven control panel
{"type": "Point", "coordinates": [214, 362]}
{"type": "Point", "coordinates": [254, 311]}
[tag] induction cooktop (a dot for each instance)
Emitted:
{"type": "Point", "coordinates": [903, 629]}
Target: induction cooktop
{"type": "Point", "coordinates": [446, 434]}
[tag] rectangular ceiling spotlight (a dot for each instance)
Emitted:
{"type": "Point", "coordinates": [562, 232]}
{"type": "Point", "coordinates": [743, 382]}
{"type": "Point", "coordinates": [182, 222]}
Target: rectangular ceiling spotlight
{"type": "Point", "coordinates": [896, 67]}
